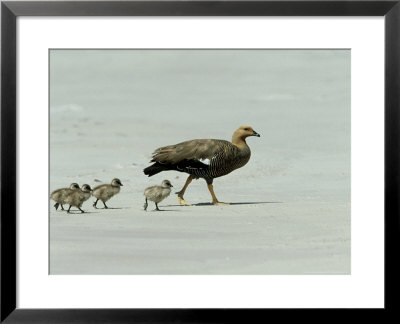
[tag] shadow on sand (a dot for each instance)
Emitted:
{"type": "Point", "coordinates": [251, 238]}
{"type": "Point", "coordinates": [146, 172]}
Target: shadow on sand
{"type": "Point", "coordinates": [163, 210]}
{"type": "Point", "coordinates": [77, 212]}
{"type": "Point", "coordinates": [114, 208]}
{"type": "Point", "coordinates": [230, 204]}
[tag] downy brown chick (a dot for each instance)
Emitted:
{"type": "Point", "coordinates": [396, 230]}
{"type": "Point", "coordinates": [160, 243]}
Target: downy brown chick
{"type": "Point", "coordinates": [105, 191]}
{"type": "Point", "coordinates": [77, 197]}
{"type": "Point", "coordinates": [59, 195]}
{"type": "Point", "coordinates": [157, 193]}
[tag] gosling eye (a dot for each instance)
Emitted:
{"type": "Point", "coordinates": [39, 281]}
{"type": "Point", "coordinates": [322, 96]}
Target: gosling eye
{"type": "Point", "coordinates": [246, 129]}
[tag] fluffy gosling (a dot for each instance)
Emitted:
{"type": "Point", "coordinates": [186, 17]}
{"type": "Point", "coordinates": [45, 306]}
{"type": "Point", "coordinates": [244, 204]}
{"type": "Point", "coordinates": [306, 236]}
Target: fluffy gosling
{"type": "Point", "coordinates": [77, 197]}
{"type": "Point", "coordinates": [157, 193]}
{"type": "Point", "coordinates": [105, 191]}
{"type": "Point", "coordinates": [59, 195]}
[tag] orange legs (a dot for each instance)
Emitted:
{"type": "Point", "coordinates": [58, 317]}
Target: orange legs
{"type": "Point", "coordinates": [182, 192]}
{"type": "Point", "coordinates": [210, 188]}
{"type": "Point", "coordinates": [214, 198]}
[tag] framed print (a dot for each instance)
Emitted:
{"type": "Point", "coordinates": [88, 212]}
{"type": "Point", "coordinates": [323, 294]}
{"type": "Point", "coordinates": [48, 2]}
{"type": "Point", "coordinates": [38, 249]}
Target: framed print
{"type": "Point", "coordinates": [285, 112]}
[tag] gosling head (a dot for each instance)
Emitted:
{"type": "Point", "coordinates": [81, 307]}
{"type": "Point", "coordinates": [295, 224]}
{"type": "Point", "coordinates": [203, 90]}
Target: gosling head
{"type": "Point", "coordinates": [166, 184]}
{"type": "Point", "coordinates": [74, 186]}
{"type": "Point", "coordinates": [116, 182]}
{"type": "Point", "coordinates": [86, 188]}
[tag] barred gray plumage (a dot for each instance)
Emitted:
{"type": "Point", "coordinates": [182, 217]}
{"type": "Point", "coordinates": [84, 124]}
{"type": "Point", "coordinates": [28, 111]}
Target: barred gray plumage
{"type": "Point", "coordinates": [203, 158]}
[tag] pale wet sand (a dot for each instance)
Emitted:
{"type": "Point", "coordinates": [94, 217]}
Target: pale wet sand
{"type": "Point", "coordinates": [290, 211]}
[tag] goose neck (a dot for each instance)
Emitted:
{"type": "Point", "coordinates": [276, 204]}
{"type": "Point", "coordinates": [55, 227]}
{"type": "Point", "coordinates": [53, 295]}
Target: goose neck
{"type": "Point", "coordinates": [240, 142]}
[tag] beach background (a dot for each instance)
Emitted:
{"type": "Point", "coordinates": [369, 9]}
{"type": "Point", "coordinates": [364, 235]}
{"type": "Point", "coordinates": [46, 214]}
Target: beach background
{"type": "Point", "coordinates": [290, 205]}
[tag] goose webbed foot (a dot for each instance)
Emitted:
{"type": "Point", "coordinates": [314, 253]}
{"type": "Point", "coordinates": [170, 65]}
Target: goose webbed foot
{"type": "Point", "coordinates": [180, 194]}
{"type": "Point", "coordinates": [183, 202]}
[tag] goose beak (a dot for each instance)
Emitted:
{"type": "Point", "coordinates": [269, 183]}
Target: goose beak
{"type": "Point", "coordinates": [255, 134]}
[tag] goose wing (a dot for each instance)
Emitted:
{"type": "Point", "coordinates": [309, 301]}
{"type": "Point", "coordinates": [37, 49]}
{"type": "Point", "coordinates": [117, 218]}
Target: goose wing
{"type": "Point", "coordinates": [201, 150]}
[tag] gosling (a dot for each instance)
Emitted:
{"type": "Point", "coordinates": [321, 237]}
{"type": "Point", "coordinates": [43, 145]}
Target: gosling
{"type": "Point", "coordinates": [105, 191]}
{"type": "Point", "coordinates": [77, 197]}
{"type": "Point", "coordinates": [157, 193]}
{"type": "Point", "coordinates": [59, 195]}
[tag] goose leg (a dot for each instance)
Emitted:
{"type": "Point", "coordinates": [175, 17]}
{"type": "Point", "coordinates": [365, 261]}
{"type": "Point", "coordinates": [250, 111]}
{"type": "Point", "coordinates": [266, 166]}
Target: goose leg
{"type": "Point", "coordinates": [182, 192]}
{"type": "Point", "coordinates": [214, 198]}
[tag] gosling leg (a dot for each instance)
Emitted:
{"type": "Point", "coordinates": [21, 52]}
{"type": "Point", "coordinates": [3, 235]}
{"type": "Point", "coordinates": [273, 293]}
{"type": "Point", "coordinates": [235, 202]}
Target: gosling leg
{"type": "Point", "coordinates": [214, 198]}
{"type": "Point", "coordinates": [105, 206]}
{"type": "Point", "coordinates": [82, 211]}
{"type": "Point", "coordinates": [69, 209]}
{"type": "Point", "coordinates": [157, 207]}
{"type": "Point", "coordinates": [62, 208]}
{"type": "Point", "coordinates": [56, 205]}
{"type": "Point", "coordinates": [182, 192]}
{"type": "Point", "coordinates": [145, 205]}
{"type": "Point", "coordinates": [95, 203]}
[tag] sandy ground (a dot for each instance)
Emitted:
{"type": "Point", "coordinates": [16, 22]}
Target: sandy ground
{"type": "Point", "coordinates": [290, 205]}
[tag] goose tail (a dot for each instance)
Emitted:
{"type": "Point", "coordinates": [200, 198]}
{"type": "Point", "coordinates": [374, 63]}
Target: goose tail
{"type": "Point", "coordinates": [154, 169]}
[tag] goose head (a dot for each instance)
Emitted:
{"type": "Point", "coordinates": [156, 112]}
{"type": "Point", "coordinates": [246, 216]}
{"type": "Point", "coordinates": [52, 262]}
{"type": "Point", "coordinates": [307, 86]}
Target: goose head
{"type": "Point", "coordinates": [240, 135]}
{"type": "Point", "coordinates": [246, 131]}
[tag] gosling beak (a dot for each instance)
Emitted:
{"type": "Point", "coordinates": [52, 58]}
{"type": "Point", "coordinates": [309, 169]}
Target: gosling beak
{"type": "Point", "coordinates": [121, 184]}
{"type": "Point", "coordinates": [171, 185]}
{"type": "Point", "coordinates": [255, 134]}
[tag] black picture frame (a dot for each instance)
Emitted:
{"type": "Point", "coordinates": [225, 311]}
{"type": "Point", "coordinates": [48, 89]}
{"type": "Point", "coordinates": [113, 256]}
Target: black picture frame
{"type": "Point", "coordinates": [10, 10]}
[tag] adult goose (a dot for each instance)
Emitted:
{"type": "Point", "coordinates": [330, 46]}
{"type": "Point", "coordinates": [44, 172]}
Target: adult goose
{"type": "Point", "coordinates": [203, 158]}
